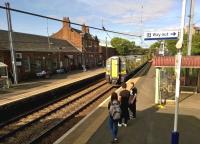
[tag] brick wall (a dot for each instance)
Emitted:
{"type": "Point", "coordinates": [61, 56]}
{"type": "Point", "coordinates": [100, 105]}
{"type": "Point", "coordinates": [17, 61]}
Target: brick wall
{"type": "Point", "coordinates": [47, 61]}
{"type": "Point", "coordinates": [81, 39]}
{"type": "Point", "coordinates": [109, 52]}
{"type": "Point", "coordinates": [69, 34]}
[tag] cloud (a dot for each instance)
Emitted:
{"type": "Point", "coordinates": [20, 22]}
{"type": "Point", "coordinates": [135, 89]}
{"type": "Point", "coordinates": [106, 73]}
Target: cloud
{"type": "Point", "coordinates": [80, 20]}
{"type": "Point", "coordinates": [130, 11]}
{"type": "Point", "coordinates": [117, 15]}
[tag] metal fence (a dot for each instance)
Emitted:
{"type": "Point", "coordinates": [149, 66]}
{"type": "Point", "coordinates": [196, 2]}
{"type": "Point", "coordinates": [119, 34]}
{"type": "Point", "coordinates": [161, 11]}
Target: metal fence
{"type": "Point", "coordinates": [188, 83]}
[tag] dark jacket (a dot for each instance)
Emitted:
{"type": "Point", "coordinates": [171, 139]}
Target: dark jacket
{"type": "Point", "coordinates": [125, 94]}
{"type": "Point", "coordinates": [133, 93]}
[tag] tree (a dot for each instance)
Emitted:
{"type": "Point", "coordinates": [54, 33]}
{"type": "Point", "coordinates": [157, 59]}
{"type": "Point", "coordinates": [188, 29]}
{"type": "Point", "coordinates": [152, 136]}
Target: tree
{"type": "Point", "coordinates": [122, 45]}
{"type": "Point", "coordinates": [196, 44]}
{"type": "Point", "coordinates": [155, 45]}
{"type": "Point", "coordinates": [171, 45]}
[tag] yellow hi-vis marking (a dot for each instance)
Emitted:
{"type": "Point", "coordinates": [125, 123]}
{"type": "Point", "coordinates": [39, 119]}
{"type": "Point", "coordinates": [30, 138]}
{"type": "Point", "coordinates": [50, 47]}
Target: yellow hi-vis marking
{"type": "Point", "coordinates": [114, 73]}
{"type": "Point", "coordinates": [160, 106]}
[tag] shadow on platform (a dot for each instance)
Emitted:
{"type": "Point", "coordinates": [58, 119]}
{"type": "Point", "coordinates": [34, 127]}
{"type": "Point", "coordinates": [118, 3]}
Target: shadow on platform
{"type": "Point", "coordinates": [152, 126]}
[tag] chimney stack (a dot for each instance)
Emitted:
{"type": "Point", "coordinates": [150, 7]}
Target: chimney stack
{"type": "Point", "coordinates": [85, 29]}
{"type": "Point", "coordinates": [66, 22]}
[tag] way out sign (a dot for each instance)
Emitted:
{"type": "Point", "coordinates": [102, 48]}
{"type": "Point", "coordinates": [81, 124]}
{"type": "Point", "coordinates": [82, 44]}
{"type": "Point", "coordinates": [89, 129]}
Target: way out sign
{"type": "Point", "coordinates": [161, 35]}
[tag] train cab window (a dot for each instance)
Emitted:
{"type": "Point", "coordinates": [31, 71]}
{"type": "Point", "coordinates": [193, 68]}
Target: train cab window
{"type": "Point", "coordinates": [123, 65]}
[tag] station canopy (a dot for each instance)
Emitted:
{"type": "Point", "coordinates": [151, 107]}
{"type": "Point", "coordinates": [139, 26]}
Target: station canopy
{"type": "Point", "coordinates": [169, 61]}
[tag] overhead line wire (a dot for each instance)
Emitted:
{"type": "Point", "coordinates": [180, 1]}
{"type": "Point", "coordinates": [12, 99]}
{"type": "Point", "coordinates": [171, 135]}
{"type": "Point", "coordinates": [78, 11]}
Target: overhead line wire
{"type": "Point", "coordinates": [56, 19]}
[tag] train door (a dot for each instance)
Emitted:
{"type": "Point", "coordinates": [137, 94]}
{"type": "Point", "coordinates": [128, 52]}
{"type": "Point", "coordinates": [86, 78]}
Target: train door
{"type": "Point", "coordinates": [108, 69]}
{"type": "Point", "coordinates": [123, 70]}
{"type": "Point", "coordinates": [115, 70]}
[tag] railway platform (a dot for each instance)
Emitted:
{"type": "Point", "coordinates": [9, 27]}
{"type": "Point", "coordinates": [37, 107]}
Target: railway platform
{"type": "Point", "coordinates": [29, 89]}
{"type": "Point", "coordinates": [152, 125]}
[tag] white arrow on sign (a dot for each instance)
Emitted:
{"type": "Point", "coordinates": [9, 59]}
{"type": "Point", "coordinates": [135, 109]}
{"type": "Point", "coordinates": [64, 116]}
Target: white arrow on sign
{"type": "Point", "coordinates": [161, 35]}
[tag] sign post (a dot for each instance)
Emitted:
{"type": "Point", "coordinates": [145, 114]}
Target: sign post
{"type": "Point", "coordinates": [161, 35]}
{"type": "Point", "coordinates": [175, 133]}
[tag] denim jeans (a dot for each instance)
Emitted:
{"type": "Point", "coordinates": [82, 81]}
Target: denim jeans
{"type": "Point", "coordinates": [113, 126]}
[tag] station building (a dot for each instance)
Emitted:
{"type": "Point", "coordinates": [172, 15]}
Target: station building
{"type": "Point", "coordinates": [68, 48]}
{"type": "Point", "coordinates": [34, 54]}
{"type": "Point", "coordinates": [86, 43]}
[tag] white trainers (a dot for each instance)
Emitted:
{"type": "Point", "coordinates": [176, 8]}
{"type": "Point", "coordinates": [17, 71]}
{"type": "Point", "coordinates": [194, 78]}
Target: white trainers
{"type": "Point", "coordinates": [119, 125]}
{"type": "Point", "coordinates": [125, 125]}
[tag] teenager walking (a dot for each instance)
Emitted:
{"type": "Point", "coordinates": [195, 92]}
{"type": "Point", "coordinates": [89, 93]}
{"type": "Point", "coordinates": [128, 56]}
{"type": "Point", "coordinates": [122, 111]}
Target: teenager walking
{"type": "Point", "coordinates": [114, 116]}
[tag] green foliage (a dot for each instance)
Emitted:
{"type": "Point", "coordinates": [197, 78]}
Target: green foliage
{"type": "Point", "coordinates": [153, 48]}
{"type": "Point", "coordinates": [155, 45]}
{"type": "Point", "coordinates": [122, 45]}
{"type": "Point", "coordinates": [171, 45]}
{"type": "Point", "coordinates": [196, 44]}
{"type": "Point", "coordinates": [126, 47]}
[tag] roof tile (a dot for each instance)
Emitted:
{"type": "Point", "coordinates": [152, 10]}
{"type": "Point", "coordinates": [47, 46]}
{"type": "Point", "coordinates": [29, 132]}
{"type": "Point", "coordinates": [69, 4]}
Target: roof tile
{"type": "Point", "coordinates": [169, 61]}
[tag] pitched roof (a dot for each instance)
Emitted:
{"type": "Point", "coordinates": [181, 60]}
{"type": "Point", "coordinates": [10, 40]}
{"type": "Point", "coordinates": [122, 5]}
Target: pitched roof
{"type": "Point", "coordinates": [169, 61]}
{"type": "Point", "coordinates": [89, 36]}
{"type": "Point", "coordinates": [78, 31]}
{"type": "Point", "coordinates": [30, 42]}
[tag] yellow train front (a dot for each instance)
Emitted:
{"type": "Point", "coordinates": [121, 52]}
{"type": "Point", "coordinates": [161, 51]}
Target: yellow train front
{"type": "Point", "coordinates": [118, 68]}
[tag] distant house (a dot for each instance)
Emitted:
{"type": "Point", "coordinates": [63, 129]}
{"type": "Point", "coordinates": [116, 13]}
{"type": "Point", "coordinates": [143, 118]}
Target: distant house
{"type": "Point", "coordinates": [35, 53]}
{"type": "Point", "coordinates": [82, 40]}
{"type": "Point", "coordinates": [195, 30]}
{"type": "Point", "coordinates": [108, 52]}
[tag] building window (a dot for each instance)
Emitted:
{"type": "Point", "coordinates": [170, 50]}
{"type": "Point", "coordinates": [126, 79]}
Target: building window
{"type": "Point", "coordinates": [49, 64]}
{"type": "Point", "coordinates": [55, 64]}
{"type": "Point", "coordinates": [86, 44]}
{"type": "Point", "coordinates": [90, 43]}
{"type": "Point", "coordinates": [38, 65]}
{"type": "Point", "coordinates": [26, 63]}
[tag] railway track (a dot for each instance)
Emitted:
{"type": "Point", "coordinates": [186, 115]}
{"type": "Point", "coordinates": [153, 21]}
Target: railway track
{"type": "Point", "coordinates": [15, 110]}
{"type": "Point", "coordinates": [43, 105]}
{"type": "Point", "coordinates": [36, 125]}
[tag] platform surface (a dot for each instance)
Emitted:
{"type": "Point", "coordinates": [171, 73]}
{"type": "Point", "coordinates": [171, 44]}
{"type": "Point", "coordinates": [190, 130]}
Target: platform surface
{"type": "Point", "coordinates": [28, 89]}
{"type": "Point", "coordinates": [153, 125]}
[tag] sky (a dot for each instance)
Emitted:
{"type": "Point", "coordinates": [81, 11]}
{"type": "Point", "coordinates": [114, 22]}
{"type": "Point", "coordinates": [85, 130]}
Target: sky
{"type": "Point", "coordinates": [128, 16]}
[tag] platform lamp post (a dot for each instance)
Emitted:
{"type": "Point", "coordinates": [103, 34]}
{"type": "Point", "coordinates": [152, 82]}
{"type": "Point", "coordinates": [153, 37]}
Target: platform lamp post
{"type": "Point", "coordinates": [175, 133]}
{"type": "Point", "coordinates": [105, 41]}
{"type": "Point", "coordinates": [12, 50]}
